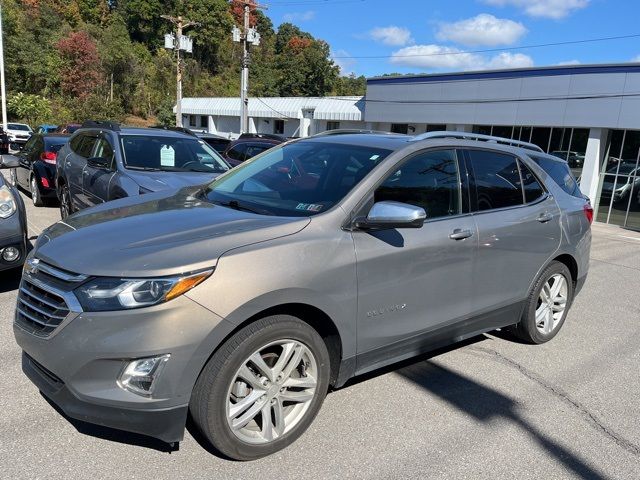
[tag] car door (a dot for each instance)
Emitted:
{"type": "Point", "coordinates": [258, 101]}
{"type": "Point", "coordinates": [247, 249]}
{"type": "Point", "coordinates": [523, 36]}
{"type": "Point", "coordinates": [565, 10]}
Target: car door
{"type": "Point", "coordinates": [518, 228]}
{"type": "Point", "coordinates": [74, 165]}
{"type": "Point", "coordinates": [414, 285]}
{"type": "Point", "coordinates": [96, 180]}
{"type": "Point", "coordinates": [23, 172]}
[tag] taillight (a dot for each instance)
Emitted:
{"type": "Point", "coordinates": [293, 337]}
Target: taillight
{"type": "Point", "coordinates": [588, 212]}
{"type": "Point", "coordinates": [49, 157]}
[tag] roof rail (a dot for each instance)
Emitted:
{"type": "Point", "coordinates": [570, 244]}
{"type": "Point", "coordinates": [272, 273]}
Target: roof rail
{"type": "Point", "coordinates": [106, 125]}
{"type": "Point", "coordinates": [175, 129]}
{"type": "Point", "coordinates": [351, 131]}
{"type": "Point", "coordinates": [477, 136]}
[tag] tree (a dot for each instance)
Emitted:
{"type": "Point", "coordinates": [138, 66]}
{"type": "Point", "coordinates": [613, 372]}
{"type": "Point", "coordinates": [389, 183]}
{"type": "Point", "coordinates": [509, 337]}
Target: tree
{"type": "Point", "coordinates": [32, 109]}
{"type": "Point", "coordinates": [80, 73]}
{"type": "Point", "coordinates": [306, 69]}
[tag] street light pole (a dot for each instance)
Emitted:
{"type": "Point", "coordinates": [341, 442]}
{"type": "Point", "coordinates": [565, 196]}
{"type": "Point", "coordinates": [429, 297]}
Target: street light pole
{"type": "Point", "coordinates": [2, 81]}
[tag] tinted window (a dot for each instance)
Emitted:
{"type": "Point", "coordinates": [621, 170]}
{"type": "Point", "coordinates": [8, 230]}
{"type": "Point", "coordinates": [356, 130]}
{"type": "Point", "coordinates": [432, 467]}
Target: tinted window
{"type": "Point", "coordinates": [238, 152]}
{"type": "Point", "coordinates": [18, 126]}
{"type": "Point", "coordinates": [560, 173]}
{"type": "Point", "coordinates": [170, 153]}
{"type": "Point", "coordinates": [53, 144]}
{"type": "Point", "coordinates": [497, 179]}
{"type": "Point", "coordinates": [104, 149]}
{"type": "Point", "coordinates": [254, 150]}
{"type": "Point", "coordinates": [300, 179]}
{"type": "Point", "coordinates": [532, 188]}
{"type": "Point", "coordinates": [429, 180]}
{"type": "Point", "coordinates": [218, 145]}
{"type": "Point", "coordinates": [86, 145]}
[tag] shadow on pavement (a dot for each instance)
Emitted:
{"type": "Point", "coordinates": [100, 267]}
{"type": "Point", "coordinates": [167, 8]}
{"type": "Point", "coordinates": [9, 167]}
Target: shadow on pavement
{"type": "Point", "coordinates": [114, 435]}
{"type": "Point", "coordinates": [484, 404]}
{"type": "Point", "coordinates": [10, 279]}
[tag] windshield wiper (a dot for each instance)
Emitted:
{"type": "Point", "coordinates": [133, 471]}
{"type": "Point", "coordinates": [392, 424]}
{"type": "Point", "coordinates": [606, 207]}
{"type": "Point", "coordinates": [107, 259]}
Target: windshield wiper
{"type": "Point", "coordinates": [235, 205]}
{"type": "Point", "coordinates": [146, 169]}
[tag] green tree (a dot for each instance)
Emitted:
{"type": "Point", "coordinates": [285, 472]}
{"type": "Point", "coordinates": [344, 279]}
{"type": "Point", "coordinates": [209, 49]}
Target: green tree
{"type": "Point", "coordinates": [32, 109]}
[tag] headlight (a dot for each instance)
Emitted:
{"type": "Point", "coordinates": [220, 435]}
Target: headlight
{"type": "Point", "coordinates": [8, 204]}
{"type": "Point", "coordinates": [108, 294]}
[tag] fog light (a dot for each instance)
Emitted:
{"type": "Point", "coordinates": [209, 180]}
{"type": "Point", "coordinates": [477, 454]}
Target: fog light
{"type": "Point", "coordinates": [10, 254]}
{"type": "Point", "coordinates": [140, 376]}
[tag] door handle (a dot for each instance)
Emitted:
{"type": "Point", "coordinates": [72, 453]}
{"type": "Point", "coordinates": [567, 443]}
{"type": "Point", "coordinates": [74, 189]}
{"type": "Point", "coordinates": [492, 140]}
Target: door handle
{"type": "Point", "coordinates": [459, 234]}
{"type": "Point", "coordinates": [545, 217]}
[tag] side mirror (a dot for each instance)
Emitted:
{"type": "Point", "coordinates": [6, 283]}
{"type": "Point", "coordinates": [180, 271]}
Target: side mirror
{"type": "Point", "coordinates": [99, 162]}
{"type": "Point", "coordinates": [389, 215]}
{"type": "Point", "coordinates": [9, 161]}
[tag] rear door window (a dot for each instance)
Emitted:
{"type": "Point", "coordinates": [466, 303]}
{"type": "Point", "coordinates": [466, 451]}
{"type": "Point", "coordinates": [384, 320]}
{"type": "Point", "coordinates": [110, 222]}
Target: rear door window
{"type": "Point", "coordinates": [532, 189]}
{"type": "Point", "coordinates": [497, 180]}
{"type": "Point", "coordinates": [560, 172]}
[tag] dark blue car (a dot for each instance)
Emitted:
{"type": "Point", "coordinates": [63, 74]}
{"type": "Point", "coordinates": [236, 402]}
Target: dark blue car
{"type": "Point", "coordinates": [103, 162]}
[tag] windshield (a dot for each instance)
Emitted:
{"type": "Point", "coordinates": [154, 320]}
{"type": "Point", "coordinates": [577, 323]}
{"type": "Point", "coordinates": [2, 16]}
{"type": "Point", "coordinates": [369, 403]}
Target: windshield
{"type": "Point", "coordinates": [299, 179]}
{"type": "Point", "coordinates": [174, 154]}
{"type": "Point", "coordinates": [18, 126]}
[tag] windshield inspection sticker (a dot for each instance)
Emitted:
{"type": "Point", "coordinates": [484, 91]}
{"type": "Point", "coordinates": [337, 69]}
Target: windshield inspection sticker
{"type": "Point", "coordinates": [310, 207]}
{"type": "Point", "coordinates": [167, 156]}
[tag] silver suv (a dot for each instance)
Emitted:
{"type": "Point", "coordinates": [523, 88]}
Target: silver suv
{"type": "Point", "coordinates": [242, 302]}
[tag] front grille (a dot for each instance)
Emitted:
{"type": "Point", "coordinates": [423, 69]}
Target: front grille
{"type": "Point", "coordinates": [39, 311]}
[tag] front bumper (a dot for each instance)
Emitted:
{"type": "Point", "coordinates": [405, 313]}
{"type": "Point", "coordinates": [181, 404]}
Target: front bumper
{"type": "Point", "coordinates": [164, 424]}
{"type": "Point", "coordinates": [13, 234]}
{"type": "Point", "coordinates": [78, 366]}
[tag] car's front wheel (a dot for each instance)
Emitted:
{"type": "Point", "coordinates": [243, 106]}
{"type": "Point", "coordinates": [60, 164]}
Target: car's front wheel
{"type": "Point", "coordinates": [547, 305]}
{"type": "Point", "coordinates": [262, 388]}
{"type": "Point", "coordinates": [36, 198]}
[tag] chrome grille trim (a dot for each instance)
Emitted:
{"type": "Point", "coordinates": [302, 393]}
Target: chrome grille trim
{"type": "Point", "coordinates": [61, 274]}
{"type": "Point", "coordinates": [43, 309]}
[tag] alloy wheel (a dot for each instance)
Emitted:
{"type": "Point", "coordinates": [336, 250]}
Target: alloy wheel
{"type": "Point", "coordinates": [65, 203]}
{"type": "Point", "coordinates": [271, 392]}
{"type": "Point", "coordinates": [552, 303]}
{"type": "Point", "coordinates": [34, 191]}
{"type": "Point", "coordinates": [13, 177]}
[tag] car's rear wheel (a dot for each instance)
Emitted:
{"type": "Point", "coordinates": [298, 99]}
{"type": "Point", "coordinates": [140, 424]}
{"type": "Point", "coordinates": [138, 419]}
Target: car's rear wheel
{"type": "Point", "coordinates": [547, 305]}
{"type": "Point", "coordinates": [65, 201]}
{"type": "Point", "coordinates": [36, 198]}
{"type": "Point", "coordinates": [262, 388]}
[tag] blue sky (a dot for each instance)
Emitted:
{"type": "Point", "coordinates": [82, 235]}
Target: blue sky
{"type": "Point", "coordinates": [428, 36]}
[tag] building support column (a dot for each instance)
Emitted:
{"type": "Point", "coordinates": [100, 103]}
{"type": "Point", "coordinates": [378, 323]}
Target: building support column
{"type": "Point", "coordinates": [212, 125]}
{"type": "Point", "coordinates": [592, 161]}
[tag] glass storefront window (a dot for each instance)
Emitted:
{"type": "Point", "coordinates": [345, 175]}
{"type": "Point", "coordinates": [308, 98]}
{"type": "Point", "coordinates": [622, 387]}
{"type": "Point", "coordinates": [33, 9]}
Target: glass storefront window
{"type": "Point", "coordinates": [540, 137]}
{"type": "Point", "coordinates": [502, 131]}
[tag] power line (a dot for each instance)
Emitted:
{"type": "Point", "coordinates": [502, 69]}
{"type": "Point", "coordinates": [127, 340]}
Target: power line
{"type": "Point", "coordinates": [274, 110]}
{"type": "Point", "coordinates": [490, 50]}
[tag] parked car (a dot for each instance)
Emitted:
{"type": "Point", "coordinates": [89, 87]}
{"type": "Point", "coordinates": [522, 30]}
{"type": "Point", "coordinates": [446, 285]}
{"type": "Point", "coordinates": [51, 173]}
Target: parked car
{"type": "Point", "coordinates": [218, 143]}
{"type": "Point", "coordinates": [13, 220]}
{"type": "Point", "coordinates": [18, 134]}
{"type": "Point", "coordinates": [242, 302]}
{"type": "Point", "coordinates": [248, 146]}
{"type": "Point", "coordinates": [103, 162]}
{"type": "Point", "coordinates": [46, 128]}
{"type": "Point", "coordinates": [37, 170]}
{"type": "Point", "coordinates": [69, 128]}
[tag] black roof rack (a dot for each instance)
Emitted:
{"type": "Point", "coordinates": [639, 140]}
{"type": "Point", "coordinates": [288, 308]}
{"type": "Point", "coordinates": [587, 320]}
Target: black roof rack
{"type": "Point", "coordinates": [106, 125]}
{"type": "Point", "coordinates": [352, 131]}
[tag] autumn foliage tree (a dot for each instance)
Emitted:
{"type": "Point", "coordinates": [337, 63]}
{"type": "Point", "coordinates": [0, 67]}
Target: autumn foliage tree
{"type": "Point", "coordinates": [80, 73]}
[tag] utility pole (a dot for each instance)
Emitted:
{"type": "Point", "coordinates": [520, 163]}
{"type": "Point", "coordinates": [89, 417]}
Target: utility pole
{"type": "Point", "coordinates": [3, 89]}
{"type": "Point", "coordinates": [179, 42]}
{"type": "Point", "coordinates": [248, 36]}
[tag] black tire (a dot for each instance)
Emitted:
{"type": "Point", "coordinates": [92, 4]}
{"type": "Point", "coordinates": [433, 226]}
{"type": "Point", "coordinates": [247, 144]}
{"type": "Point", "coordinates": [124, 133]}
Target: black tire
{"type": "Point", "coordinates": [35, 192]}
{"type": "Point", "coordinates": [210, 395]}
{"type": "Point", "coordinates": [65, 202]}
{"type": "Point", "coordinates": [526, 329]}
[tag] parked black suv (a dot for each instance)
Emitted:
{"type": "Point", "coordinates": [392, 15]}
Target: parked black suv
{"type": "Point", "coordinates": [248, 145]}
{"type": "Point", "coordinates": [104, 162]}
{"type": "Point", "coordinates": [37, 170]}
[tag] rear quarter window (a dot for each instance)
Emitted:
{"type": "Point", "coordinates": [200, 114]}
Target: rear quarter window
{"type": "Point", "coordinates": [560, 172]}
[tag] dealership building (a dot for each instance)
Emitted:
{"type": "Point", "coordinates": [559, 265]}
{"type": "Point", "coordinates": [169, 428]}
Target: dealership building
{"type": "Point", "coordinates": [588, 115]}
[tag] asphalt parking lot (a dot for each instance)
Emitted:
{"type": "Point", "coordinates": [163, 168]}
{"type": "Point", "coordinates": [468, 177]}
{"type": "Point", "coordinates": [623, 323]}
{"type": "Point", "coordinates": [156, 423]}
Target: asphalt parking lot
{"type": "Point", "coordinates": [492, 408]}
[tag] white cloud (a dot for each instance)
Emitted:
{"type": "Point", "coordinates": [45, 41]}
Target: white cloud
{"type": "Point", "coordinates": [299, 16]}
{"type": "Point", "coordinates": [345, 62]}
{"type": "Point", "coordinates": [483, 29]}
{"type": "Point", "coordinates": [391, 35]}
{"type": "Point", "coordinates": [543, 8]}
{"type": "Point", "coordinates": [636, 59]}
{"type": "Point", "coordinates": [569, 62]}
{"type": "Point", "coordinates": [439, 57]}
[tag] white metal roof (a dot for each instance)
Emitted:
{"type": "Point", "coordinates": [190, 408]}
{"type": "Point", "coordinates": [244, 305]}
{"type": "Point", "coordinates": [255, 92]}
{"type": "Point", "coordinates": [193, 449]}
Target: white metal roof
{"type": "Point", "coordinates": [324, 108]}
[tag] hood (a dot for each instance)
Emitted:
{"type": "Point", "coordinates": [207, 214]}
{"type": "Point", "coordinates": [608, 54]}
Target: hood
{"type": "Point", "coordinates": [155, 234]}
{"type": "Point", "coordinates": [156, 181]}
